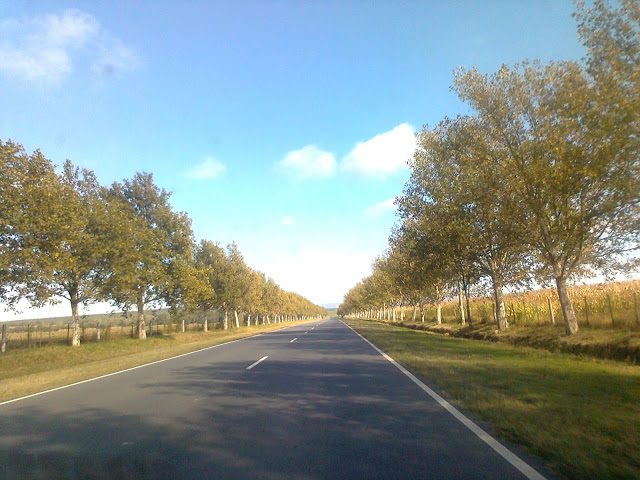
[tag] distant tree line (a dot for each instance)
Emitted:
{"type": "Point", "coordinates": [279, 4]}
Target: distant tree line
{"type": "Point", "coordinates": [64, 235]}
{"type": "Point", "coordinates": [541, 182]}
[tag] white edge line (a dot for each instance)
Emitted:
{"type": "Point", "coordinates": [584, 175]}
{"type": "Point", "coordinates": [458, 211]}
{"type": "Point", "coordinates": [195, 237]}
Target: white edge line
{"type": "Point", "coordinates": [123, 371]}
{"type": "Point", "coordinates": [256, 363]}
{"type": "Point", "coordinates": [507, 454]}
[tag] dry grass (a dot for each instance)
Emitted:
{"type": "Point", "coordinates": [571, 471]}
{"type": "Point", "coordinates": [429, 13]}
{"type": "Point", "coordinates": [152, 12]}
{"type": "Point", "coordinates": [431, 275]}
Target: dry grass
{"type": "Point", "coordinates": [30, 370]}
{"type": "Point", "coordinates": [580, 415]}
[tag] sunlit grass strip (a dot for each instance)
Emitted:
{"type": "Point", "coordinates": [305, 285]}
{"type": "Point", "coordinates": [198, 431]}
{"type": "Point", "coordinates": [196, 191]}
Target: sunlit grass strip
{"type": "Point", "coordinates": [27, 371]}
{"type": "Point", "coordinates": [582, 416]}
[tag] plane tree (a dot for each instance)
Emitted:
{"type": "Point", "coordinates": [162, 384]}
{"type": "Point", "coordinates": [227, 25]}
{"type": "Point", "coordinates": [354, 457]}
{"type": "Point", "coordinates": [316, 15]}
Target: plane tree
{"type": "Point", "coordinates": [146, 243]}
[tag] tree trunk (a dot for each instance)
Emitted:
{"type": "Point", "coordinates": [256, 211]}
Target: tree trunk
{"type": "Point", "coordinates": [205, 322]}
{"type": "Point", "coordinates": [413, 316]}
{"type": "Point", "coordinates": [422, 313]}
{"type": "Point", "coordinates": [183, 325]}
{"type": "Point", "coordinates": [460, 304]}
{"type": "Point", "coordinates": [225, 322]}
{"type": "Point", "coordinates": [75, 336]}
{"type": "Point", "coordinates": [438, 312]}
{"type": "Point", "coordinates": [500, 311]}
{"type": "Point", "coordinates": [394, 313]}
{"type": "Point", "coordinates": [235, 314]}
{"type": "Point", "coordinates": [570, 321]}
{"type": "Point", "coordinates": [142, 332]}
{"type": "Point", "coordinates": [466, 297]}
{"type": "Point", "coordinates": [3, 345]}
{"type": "Point", "coordinates": [98, 331]}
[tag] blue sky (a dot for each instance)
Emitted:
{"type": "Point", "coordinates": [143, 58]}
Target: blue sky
{"type": "Point", "coordinates": [281, 125]}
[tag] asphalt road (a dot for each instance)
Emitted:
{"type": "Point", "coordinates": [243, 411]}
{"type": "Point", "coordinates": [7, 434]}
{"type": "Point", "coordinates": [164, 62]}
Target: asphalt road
{"type": "Point", "coordinates": [326, 405]}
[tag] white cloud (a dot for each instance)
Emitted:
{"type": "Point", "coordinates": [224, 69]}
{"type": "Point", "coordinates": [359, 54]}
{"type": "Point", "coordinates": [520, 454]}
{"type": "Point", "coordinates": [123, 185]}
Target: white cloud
{"type": "Point", "coordinates": [381, 208]}
{"type": "Point", "coordinates": [47, 48]}
{"type": "Point", "coordinates": [383, 155]}
{"type": "Point", "coordinates": [207, 170]}
{"type": "Point", "coordinates": [309, 162]}
{"type": "Point", "coordinates": [288, 221]}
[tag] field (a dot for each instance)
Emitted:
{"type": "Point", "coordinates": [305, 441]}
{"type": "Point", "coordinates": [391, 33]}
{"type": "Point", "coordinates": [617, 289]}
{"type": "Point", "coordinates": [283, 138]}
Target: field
{"type": "Point", "coordinates": [599, 306]}
{"type": "Point", "coordinates": [578, 414]}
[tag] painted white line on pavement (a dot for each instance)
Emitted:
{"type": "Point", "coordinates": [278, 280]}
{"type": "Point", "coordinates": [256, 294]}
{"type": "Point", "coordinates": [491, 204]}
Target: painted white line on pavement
{"type": "Point", "coordinates": [293, 340]}
{"type": "Point", "coordinates": [504, 452]}
{"type": "Point", "coordinates": [256, 363]}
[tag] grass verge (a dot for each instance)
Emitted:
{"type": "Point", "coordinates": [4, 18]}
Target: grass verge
{"type": "Point", "coordinates": [32, 370]}
{"type": "Point", "coordinates": [611, 344]}
{"type": "Point", "coordinates": [579, 414]}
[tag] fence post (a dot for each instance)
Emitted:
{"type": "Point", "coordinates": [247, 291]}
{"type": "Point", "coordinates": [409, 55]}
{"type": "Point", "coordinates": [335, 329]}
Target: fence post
{"type": "Point", "coordinates": [3, 345]}
{"type": "Point", "coordinates": [610, 309]}
{"type": "Point", "coordinates": [586, 309]}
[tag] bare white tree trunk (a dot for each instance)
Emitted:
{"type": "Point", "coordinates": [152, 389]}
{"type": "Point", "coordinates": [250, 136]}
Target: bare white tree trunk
{"type": "Point", "coordinates": [460, 305]}
{"type": "Point", "coordinates": [570, 321]}
{"type": "Point", "coordinates": [75, 335]}
{"type": "Point", "coordinates": [235, 313]}
{"type": "Point", "coordinates": [142, 331]}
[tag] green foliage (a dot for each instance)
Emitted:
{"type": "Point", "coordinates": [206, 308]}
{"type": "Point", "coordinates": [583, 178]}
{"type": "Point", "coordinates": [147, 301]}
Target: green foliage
{"type": "Point", "coordinates": [542, 181]}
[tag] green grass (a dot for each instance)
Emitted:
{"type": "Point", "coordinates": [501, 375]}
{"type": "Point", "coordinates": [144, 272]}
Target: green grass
{"type": "Point", "coordinates": [580, 415]}
{"type": "Point", "coordinates": [29, 370]}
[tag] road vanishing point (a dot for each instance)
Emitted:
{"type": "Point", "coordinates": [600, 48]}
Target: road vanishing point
{"type": "Point", "coordinates": [312, 401]}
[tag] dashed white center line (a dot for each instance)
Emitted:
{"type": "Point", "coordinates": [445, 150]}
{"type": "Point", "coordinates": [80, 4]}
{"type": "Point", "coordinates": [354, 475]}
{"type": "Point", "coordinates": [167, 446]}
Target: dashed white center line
{"type": "Point", "coordinates": [256, 363]}
{"type": "Point", "coordinates": [291, 341]}
{"type": "Point", "coordinates": [307, 331]}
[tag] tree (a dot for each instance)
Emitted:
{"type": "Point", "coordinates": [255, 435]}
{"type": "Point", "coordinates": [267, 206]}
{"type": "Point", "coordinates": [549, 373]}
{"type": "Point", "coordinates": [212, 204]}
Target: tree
{"type": "Point", "coordinates": [239, 280]}
{"type": "Point", "coordinates": [148, 240]}
{"type": "Point", "coordinates": [29, 194]}
{"type": "Point", "coordinates": [52, 231]}
{"type": "Point", "coordinates": [457, 168]}
{"type": "Point", "coordinates": [74, 246]}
